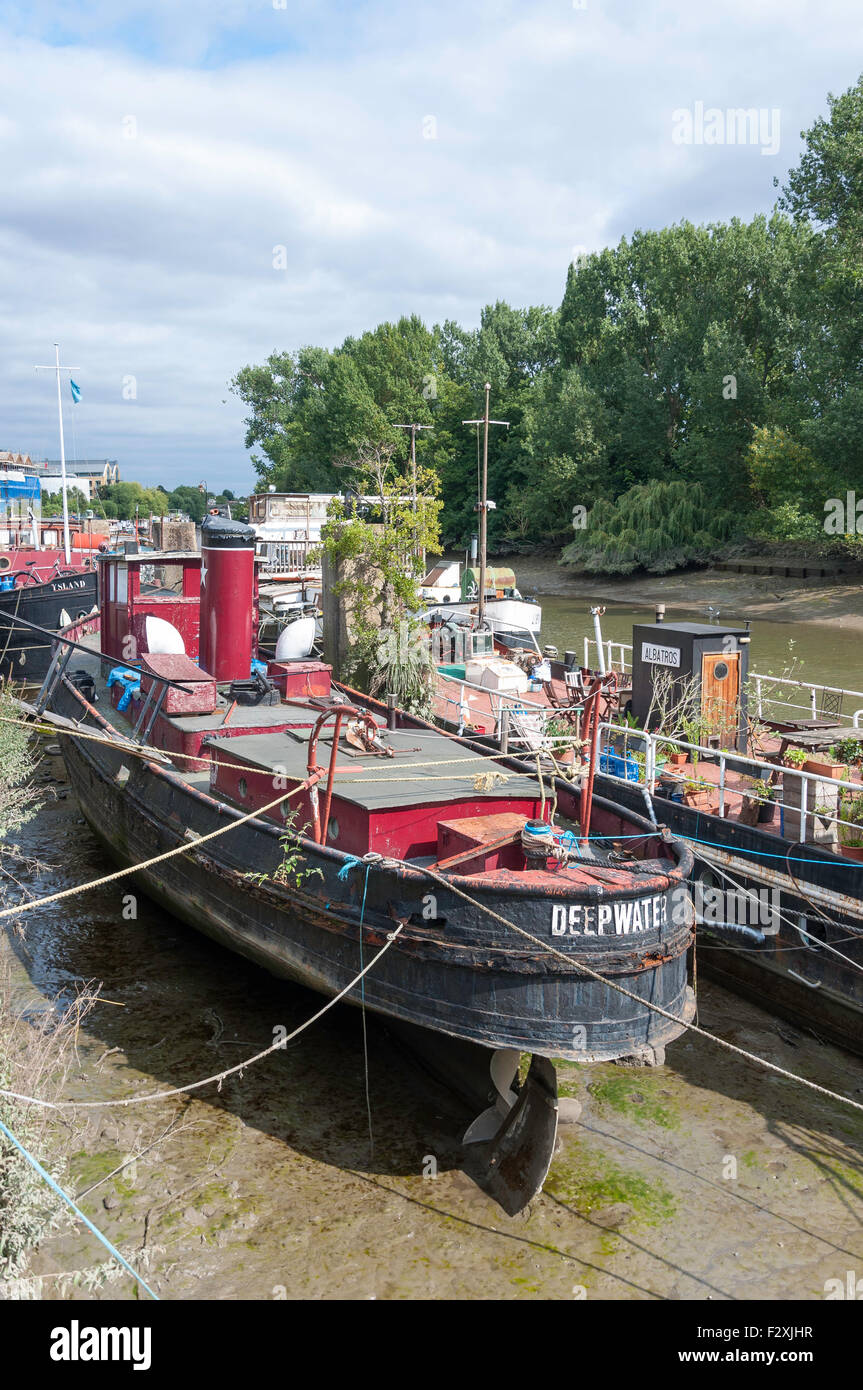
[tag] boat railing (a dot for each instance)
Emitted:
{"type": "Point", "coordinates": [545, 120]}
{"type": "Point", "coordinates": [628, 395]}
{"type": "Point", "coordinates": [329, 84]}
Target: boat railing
{"type": "Point", "coordinates": [609, 649]}
{"type": "Point", "coordinates": [815, 700]}
{"type": "Point", "coordinates": [518, 720]}
{"type": "Point", "coordinates": [64, 649]}
{"type": "Point", "coordinates": [803, 810]}
{"type": "Point", "coordinates": [286, 557]}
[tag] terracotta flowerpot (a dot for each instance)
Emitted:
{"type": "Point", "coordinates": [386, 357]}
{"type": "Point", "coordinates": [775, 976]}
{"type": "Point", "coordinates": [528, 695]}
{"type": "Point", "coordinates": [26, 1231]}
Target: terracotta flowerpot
{"type": "Point", "coordinates": [852, 852]}
{"type": "Point", "coordinates": [830, 771]}
{"type": "Point", "coordinates": [700, 800]}
{"type": "Point", "coordinates": [678, 759]}
{"type": "Point", "coordinates": [565, 756]}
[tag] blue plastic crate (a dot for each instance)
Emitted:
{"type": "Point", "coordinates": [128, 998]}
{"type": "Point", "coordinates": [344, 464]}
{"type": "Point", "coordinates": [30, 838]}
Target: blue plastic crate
{"type": "Point", "coordinates": [626, 768]}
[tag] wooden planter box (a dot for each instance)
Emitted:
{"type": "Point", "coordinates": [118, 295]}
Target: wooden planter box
{"type": "Point", "coordinates": [702, 800]}
{"type": "Point", "coordinates": [832, 771]}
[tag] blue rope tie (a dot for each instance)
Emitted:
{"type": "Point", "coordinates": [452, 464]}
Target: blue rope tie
{"type": "Point", "coordinates": [34, 1162]}
{"type": "Point", "coordinates": [349, 864]}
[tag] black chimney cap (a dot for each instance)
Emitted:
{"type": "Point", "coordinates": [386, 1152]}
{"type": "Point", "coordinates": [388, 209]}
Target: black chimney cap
{"type": "Point", "coordinates": [219, 533]}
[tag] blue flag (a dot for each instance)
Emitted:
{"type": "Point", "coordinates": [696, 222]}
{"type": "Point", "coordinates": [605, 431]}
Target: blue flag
{"type": "Point", "coordinates": [76, 391]}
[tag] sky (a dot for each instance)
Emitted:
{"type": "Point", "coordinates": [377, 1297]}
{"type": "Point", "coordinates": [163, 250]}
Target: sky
{"type": "Point", "coordinates": [191, 186]}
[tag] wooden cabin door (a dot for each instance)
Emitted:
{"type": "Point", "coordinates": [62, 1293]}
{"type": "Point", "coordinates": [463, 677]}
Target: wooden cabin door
{"type": "Point", "coordinates": [720, 693]}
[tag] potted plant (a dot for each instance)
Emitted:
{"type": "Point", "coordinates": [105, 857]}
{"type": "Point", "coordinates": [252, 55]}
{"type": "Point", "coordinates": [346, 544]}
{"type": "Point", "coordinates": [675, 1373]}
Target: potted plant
{"type": "Point", "coordinates": [695, 730]}
{"type": "Point", "coordinates": [676, 756]}
{"type": "Point", "coordinates": [698, 795]}
{"type": "Point", "coordinates": [558, 730]}
{"type": "Point", "coordinates": [851, 836]}
{"type": "Point", "coordinates": [824, 766]}
{"type": "Point", "coordinates": [764, 795]}
{"type": "Point", "coordinates": [795, 757]}
{"type": "Point", "coordinates": [848, 751]}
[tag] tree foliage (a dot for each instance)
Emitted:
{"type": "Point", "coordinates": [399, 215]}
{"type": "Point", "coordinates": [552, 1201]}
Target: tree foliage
{"type": "Point", "coordinates": [718, 357]}
{"type": "Point", "coordinates": [654, 526]}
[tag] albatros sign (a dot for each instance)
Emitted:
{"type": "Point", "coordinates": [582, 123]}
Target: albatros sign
{"type": "Point", "coordinates": [660, 656]}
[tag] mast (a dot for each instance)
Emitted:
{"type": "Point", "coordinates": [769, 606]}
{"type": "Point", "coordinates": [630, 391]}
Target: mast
{"type": "Point", "coordinates": [413, 429]}
{"type": "Point", "coordinates": [57, 369]}
{"type": "Point", "coordinates": [483, 501]}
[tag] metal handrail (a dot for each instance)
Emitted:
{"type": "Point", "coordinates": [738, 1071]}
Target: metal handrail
{"type": "Point", "coordinates": [757, 678]}
{"type": "Point", "coordinates": [652, 741]}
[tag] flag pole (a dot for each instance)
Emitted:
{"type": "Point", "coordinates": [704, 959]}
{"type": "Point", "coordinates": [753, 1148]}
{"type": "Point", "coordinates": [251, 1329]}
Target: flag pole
{"type": "Point", "coordinates": [66, 546]}
{"type": "Point", "coordinates": [67, 549]}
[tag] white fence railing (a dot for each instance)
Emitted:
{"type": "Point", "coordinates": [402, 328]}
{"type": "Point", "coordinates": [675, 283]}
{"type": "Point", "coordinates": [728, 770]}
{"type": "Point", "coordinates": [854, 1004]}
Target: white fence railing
{"type": "Point", "coordinates": [735, 762]}
{"type": "Point", "coordinates": [767, 699]}
{"type": "Point", "coordinates": [286, 557]}
{"type": "Point", "coordinates": [518, 721]}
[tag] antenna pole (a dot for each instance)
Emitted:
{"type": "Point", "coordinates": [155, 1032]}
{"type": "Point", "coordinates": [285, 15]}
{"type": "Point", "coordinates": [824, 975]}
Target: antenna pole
{"type": "Point", "coordinates": [483, 501]}
{"type": "Point", "coordinates": [57, 370]}
{"type": "Point", "coordinates": [413, 429]}
{"type": "Point", "coordinates": [66, 546]}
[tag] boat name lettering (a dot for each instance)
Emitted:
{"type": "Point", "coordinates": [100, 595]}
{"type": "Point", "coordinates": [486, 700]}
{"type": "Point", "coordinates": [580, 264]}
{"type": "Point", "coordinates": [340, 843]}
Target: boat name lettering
{"type": "Point", "coordinates": [660, 656]}
{"type": "Point", "coordinates": [610, 919]}
{"type": "Point", "coordinates": [62, 586]}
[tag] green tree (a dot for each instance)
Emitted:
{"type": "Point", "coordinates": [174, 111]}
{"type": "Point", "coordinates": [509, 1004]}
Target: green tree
{"type": "Point", "coordinates": [656, 526]}
{"type": "Point", "coordinates": [380, 554]}
{"type": "Point", "coordinates": [827, 185]}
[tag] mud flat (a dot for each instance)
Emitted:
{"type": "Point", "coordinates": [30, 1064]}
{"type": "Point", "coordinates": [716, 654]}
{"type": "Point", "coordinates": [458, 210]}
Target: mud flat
{"type": "Point", "coordinates": [772, 597]}
{"type": "Point", "coordinates": [706, 1178]}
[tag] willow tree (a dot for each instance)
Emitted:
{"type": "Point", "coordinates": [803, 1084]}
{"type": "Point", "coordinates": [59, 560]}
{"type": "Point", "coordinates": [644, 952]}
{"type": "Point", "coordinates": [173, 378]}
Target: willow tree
{"type": "Point", "coordinates": [657, 527]}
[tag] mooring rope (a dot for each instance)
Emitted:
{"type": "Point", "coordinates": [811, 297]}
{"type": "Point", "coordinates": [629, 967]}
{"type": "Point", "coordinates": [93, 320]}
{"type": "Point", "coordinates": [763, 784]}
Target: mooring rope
{"type": "Point", "coordinates": [192, 845]}
{"type": "Point", "coordinates": [55, 1187]}
{"type": "Point", "coordinates": [221, 1076]}
{"type": "Point", "coordinates": [580, 965]}
{"type": "Point", "coordinates": [150, 753]}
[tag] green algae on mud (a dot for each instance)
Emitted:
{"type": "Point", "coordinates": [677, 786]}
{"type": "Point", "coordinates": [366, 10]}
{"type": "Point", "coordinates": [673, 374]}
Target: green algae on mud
{"type": "Point", "coordinates": [642, 1096]}
{"type": "Point", "coordinates": [590, 1181]}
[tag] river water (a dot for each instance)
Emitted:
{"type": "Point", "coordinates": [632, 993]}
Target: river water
{"type": "Point", "coordinates": [828, 654]}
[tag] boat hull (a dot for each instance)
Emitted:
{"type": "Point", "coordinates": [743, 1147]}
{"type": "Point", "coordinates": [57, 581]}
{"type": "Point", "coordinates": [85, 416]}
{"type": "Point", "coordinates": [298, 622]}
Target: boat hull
{"type": "Point", "coordinates": [788, 972]}
{"type": "Point", "coordinates": [453, 969]}
{"type": "Point", "coordinates": [25, 655]}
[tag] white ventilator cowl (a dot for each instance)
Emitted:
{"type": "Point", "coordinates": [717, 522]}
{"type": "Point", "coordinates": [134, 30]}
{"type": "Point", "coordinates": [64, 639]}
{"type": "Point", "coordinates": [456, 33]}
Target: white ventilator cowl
{"type": "Point", "coordinates": [296, 640]}
{"type": "Point", "coordinates": [162, 638]}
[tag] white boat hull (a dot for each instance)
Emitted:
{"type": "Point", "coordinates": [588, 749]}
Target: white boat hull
{"type": "Point", "coordinates": [504, 614]}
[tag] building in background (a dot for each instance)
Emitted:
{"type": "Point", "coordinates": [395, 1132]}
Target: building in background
{"type": "Point", "coordinates": [20, 503]}
{"type": "Point", "coordinates": [87, 474]}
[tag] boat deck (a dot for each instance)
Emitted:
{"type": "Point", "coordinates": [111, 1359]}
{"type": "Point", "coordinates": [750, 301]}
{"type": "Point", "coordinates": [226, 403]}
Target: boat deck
{"type": "Point", "coordinates": [426, 768]}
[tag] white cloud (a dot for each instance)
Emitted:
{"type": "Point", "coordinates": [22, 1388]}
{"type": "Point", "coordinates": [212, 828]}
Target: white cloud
{"type": "Point", "coordinates": [152, 256]}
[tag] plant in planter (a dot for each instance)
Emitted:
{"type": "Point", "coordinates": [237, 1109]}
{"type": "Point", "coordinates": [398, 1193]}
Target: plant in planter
{"type": "Point", "coordinates": [695, 730]}
{"type": "Point", "coordinates": [670, 753]}
{"type": "Point", "coordinates": [851, 836]}
{"type": "Point", "coordinates": [826, 815]}
{"type": "Point", "coordinates": [698, 795]}
{"type": "Point", "coordinates": [795, 757]}
{"type": "Point", "coordinates": [562, 740]}
{"type": "Point", "coordinates": [848, 750]}
{"type": "Point", "coordinates": [824, 766]}
{"type": "Point", "coordinates": [764, 795]}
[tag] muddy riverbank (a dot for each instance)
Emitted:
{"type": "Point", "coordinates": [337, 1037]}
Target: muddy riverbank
{"type": "Point", "coordinates": [705, 1178]}
{"type": "Point", "coordinates": [772, 597]}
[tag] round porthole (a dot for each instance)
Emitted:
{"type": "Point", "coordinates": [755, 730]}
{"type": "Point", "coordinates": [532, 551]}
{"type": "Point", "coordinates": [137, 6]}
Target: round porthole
{"type": "Point", "coordinates": [333, 829]}
{"type": "Point", "coordinates": [242, 787]}
{"type": "Point", "coordinates": [720, 670]}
